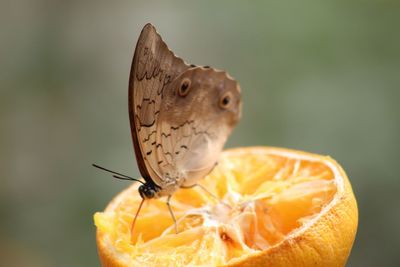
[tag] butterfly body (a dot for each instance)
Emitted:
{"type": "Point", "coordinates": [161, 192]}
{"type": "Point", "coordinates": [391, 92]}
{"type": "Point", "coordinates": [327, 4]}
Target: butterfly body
{"type": "Point", "coordinates": [180, 114]}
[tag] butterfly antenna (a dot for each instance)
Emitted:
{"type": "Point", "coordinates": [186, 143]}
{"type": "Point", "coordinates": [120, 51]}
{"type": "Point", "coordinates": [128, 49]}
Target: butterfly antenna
{"type": "Point", "coordinates": [117, 174]}
{"type": "Point", "coordinates": [134, 219]}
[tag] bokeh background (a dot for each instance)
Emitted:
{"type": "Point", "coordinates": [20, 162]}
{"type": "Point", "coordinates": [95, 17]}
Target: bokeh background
{"type": "Point", "coordinates": [320, 76]}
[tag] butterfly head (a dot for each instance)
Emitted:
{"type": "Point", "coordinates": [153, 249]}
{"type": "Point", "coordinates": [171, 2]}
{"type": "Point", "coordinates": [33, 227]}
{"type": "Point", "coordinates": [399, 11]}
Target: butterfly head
{"type": "Point", "coordinates": [147, 191]}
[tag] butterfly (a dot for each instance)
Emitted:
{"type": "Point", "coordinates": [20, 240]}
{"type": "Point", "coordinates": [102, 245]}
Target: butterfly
{"type": "Point", "coordinates": [180, 116]}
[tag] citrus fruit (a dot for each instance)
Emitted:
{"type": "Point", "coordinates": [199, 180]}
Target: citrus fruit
{"type": "Point", "coordinates": [271, 207]}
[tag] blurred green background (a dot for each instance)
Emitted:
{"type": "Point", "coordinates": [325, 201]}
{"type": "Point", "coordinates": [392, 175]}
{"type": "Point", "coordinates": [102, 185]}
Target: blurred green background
{"type": "Point", "coordinates": [317, 76]}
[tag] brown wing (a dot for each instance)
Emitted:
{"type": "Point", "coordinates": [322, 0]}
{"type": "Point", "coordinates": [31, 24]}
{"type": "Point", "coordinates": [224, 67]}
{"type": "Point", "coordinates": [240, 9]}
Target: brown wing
{"type": "Point", "coordinates": [189, 150]}
{"type": "Point", "coordinates": [154, 66]}
{"type": "Point", "coordinates": [194, 125]}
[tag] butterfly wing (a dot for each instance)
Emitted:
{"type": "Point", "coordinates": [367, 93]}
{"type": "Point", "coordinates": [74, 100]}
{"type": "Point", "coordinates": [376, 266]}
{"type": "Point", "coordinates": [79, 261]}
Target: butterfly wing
{"type": "Point", "coordinates": [188, 151]}
{"type": "Point", "coordinates": [154, 66]}
{"type": "Point", "coordinates": [193, 125]}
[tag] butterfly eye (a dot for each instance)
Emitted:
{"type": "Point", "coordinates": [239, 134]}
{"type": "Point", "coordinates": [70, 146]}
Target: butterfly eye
{"type": "Point", "coordinates": [225, 100]}
{"type": "Point", "coordinates": [184, 88]}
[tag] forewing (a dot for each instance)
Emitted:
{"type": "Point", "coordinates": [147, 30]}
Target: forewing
{"type": "Point", "coordinates": [154, 66]}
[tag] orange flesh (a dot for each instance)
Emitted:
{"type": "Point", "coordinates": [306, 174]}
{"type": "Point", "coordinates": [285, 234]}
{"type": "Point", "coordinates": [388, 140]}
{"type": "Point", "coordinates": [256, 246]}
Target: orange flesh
{"type": "Point", "coordinates": [269, 197]}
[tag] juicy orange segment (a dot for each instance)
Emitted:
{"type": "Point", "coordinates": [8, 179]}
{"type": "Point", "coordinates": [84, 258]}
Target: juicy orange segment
{"type": "Point", "coordinates": [285, 208]}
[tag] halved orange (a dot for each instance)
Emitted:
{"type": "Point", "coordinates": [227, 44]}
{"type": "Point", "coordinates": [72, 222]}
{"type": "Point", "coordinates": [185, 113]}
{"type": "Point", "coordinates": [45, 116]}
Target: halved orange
{"type": "Point", "coordinates": [285, 208]}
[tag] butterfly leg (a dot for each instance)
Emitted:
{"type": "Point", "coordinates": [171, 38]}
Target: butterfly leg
{"type": "Point", "coordinates": [134, 219]}
{"type": "Point", "coordinates": [172, 213]}
{"type": "Point", "coordinates": [208, 192]}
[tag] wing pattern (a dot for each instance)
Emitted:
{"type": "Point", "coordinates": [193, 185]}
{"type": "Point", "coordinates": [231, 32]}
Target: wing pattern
{"type": "Point", "coordinates": [154, 66]}
{"type": "Point", "coordinates": [177, 138]}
